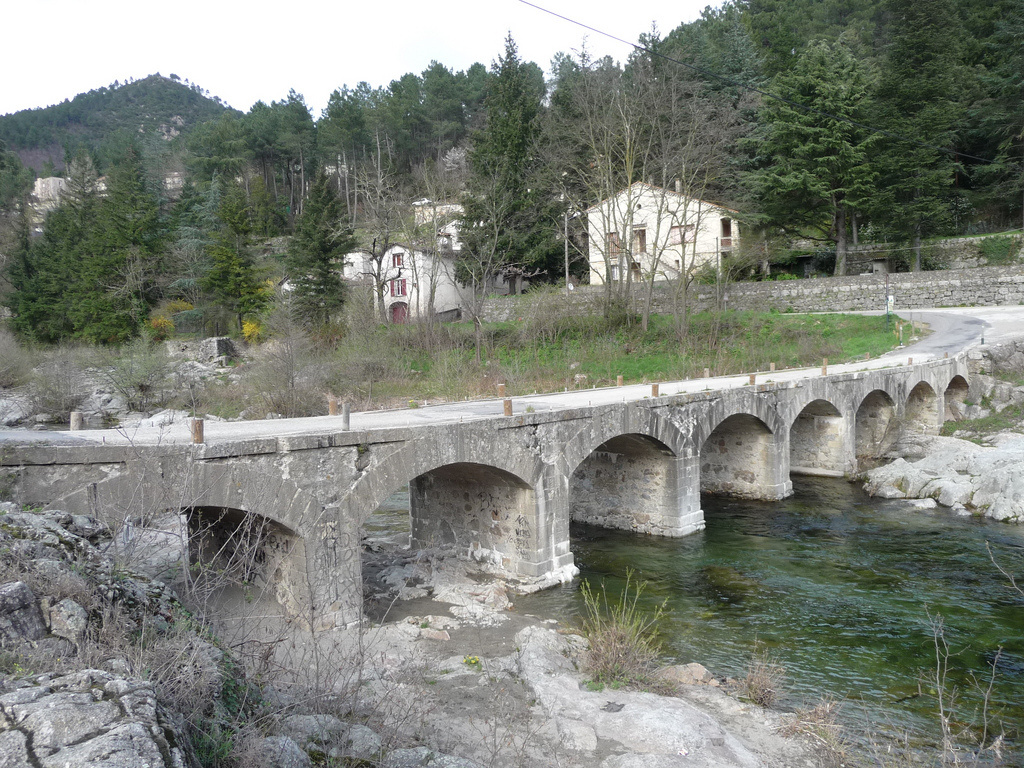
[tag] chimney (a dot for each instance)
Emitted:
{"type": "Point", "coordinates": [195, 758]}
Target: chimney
{"type": "Point", "coordinates": [679, 186]}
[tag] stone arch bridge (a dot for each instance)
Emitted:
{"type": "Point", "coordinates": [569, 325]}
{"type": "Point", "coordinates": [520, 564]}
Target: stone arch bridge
{"type": "Point", "coordinates": [501, 488]}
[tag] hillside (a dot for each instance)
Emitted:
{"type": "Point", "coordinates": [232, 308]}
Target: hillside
{"type": "Point", "coordinates": [103, 118]}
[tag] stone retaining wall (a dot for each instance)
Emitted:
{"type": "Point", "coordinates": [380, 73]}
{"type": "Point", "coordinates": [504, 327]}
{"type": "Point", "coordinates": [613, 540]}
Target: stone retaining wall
{"type": "Point", "coordinates": [983, 286]}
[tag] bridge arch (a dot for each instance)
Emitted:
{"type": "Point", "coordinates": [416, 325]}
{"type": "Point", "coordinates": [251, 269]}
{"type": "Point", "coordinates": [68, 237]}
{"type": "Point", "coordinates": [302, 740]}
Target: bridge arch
{"type": "Point", "coordinates": [628, 482]}
{"type": "Point", "coordinates": [954, 397]}
{"type": "Point", "coordinates": [635, 472]}
{"type": "Point", "coordinates": [876, 427]}
{"type": "Point", "coordinates": [238, 547]}
{"type": "Point", "coordinates": [921, 412]}
{"type": "Point", "coordinates": [743, 456]}
{"type": "Point", "coordinates": [480, 510]}
{"type": "Point", "coordinates": [487, 504]}
{"type": "Point", "coordinates": [817, 440]}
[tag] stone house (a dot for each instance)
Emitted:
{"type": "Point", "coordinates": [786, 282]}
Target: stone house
{"type": "Point", "coordinates": [656, 233]}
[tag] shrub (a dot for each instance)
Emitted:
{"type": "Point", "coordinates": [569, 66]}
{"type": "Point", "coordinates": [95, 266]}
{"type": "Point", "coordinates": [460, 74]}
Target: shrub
{"type": "Point", "coordinates": [15, 361]}
{"type": "Point", "coordinates": [764, 677]}
{"type": "Point", "coordinates": [162, 327]}
{"type": "Point", "coordinates": [254, 331]}
{"type": "Point", "coordinates": [622, 633]}
{"type": "Point", "coordinates": [59, 386]}
{"type": "Point", "coordinates": [137, 371]}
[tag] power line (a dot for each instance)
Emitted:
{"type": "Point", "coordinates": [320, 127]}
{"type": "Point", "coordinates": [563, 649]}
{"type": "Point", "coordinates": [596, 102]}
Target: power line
{"type": "Point", "coordinates": [755, 89]}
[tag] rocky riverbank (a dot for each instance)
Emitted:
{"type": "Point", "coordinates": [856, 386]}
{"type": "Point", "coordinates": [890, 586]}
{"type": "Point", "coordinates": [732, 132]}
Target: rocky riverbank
{"type": "Point", "coordinates": [104, 667]}
{"type": "Point", "coordinates": [979, 468]}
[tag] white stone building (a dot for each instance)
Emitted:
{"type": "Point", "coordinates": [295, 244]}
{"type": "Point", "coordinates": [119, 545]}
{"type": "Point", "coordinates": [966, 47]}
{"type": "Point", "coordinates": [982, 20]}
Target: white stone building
{"type": "Point", "coordinates": [657, 233]}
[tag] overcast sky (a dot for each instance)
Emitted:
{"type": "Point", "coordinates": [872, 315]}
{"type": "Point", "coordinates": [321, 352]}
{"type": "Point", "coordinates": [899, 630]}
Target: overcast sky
{"type": "Point", "coordinates": [247, 51]}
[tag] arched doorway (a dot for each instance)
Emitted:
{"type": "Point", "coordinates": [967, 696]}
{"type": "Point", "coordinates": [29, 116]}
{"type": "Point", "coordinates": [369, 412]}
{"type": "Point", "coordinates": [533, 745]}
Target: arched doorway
{"type": "Point", "coordinates": [399, 313]}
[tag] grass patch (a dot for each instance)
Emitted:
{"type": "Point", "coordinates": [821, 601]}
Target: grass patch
{"type": "Point", "coordinates": [1008, 418]}
{"type": "Point", "coordinates": [622, 632]}
{"type": "Point", "coordinates": [390, 365]}
{"type": "Point", "coordinates": [764, 678]}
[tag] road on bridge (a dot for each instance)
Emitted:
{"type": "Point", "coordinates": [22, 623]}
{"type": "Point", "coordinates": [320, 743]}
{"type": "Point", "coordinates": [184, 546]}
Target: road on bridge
{"type": "Point", "coordinates": [952, 331]}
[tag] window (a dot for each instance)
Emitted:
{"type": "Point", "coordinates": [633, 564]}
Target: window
{"type": "Point", "coordinates": [679, 235]}
{"type": "Point", "coordinates": [398, 287]}
{"type": "Point", "coordinates": [726, 233]}
{"type": "Point", "coordinates": [614, 245]}
{"type": "Point", "coordinates": [639, 240]}
{"type": "Point", "coordinates": [615, 271]}
{"type": "Point", "coordinates": [398, 260]}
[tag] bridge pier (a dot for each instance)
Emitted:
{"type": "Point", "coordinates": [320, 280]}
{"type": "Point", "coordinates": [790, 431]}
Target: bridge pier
{"type": "Point", "coordinates": [635, 483]}
{"type": "Point", "coordinates": [481, 511]}
{"type": "Point", "coordinates": [742, 457]}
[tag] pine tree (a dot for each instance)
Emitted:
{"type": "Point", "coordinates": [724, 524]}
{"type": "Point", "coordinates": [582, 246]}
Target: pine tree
{"type": "Point", "coordinates": [814, 166]}
{"type": "Point", "coordinates": [232, 278]}
{"type": "Point", "coordinates": [918, 103]}
{"type": "Point", "coordinates": [315, 258]}
{"type": "Point", "coordinates": [515, 228]}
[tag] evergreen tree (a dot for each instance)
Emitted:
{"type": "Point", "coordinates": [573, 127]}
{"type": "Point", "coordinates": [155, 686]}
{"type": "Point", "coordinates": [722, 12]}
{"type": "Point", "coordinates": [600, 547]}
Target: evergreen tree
{"type": "Point", "coordinates": [116, 279]}
{"type": "Point", "coordinates": [232, 278]}
{"type": "Point", "coordinates": [918, 103]}
{"type": "Point", "coordinates": [815, 167]}
{"type": "Point", "coordinates": [517, 229]}
{"type": "Point", "coordinates": [48, 274]}
{"type": "Point", "coordinates": [315, 256]}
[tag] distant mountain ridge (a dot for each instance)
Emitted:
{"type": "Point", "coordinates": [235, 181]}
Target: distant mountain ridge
{"type": "Point", "coordinates": [99, 120]}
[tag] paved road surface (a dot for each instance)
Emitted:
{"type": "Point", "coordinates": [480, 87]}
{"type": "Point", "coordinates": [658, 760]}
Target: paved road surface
{"type": "Point", "coordinates": [952, 330]}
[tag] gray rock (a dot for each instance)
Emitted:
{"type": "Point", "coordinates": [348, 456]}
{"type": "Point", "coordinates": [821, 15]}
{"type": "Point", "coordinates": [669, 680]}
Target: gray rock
{"type": "Point", "coordinates": [67, 619]}
{"type": "Point", "coordinates": [13, 749]}
{"type": "Point", "coordinates": [686, 674]}
{"type": "Point", "coordinates": [421, 756]}
{"type": "Point", "coordinates": [20, 617]}
{"type": "Point", "coordinates": [125, 746]}
{"type": "Point", "coordinates": [282, 752]}
{"type": "Point", "coordinates": [313, 730]}
{"type": "Point", "coordinates": [64, 718]}
{"type": "Point", "coordinates": [360, 743]}
{"type": "Point", "coordinates": [646, 724]}
{"type": "Point", "coordinates": [959, 474]}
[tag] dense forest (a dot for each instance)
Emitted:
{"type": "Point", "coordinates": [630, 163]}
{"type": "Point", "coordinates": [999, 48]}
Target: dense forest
{"type": "Point", "coordinates": [817, 120]}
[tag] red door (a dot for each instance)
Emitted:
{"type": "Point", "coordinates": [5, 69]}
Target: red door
{"type": "Point", "coordinates": [399, 313]}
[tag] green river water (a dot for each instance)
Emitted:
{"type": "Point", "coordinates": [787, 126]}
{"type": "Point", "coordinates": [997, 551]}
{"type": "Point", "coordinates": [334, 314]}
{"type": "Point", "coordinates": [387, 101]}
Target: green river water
{"type": "Point", "coordinates": [839, 587]}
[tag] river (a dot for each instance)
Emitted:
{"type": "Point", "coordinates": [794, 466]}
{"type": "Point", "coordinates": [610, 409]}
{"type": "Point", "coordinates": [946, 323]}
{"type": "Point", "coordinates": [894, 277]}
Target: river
{"type": "Point", "coordinates": [844, 591]}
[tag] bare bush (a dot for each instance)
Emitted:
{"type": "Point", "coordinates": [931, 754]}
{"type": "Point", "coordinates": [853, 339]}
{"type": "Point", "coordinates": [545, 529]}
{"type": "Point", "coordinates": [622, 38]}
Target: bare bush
{"type": "Point", "coordinates": [622, 633]}
{"type": "Point", "coordinates": [15, 361]}
{"type": "Point", "coordinates": [821, 724]}
{"type": "Point", "coordinates": [138, 372]}
{"type": "Point", "coordinates": [764, 678]}
{"type": "Point", "coordinates": [288, 373]}
{"type": "Point", "coordinates": [59, 385]}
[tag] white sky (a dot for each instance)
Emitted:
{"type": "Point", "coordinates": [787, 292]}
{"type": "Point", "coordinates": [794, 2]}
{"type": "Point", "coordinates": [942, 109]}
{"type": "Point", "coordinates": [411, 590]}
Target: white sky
{"type": "Point", "coordinates": [247, 51]}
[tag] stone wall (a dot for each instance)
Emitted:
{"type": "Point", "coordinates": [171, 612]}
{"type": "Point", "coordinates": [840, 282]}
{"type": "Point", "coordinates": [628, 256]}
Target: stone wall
{"type": "Point", "coordinates": [984, 286]}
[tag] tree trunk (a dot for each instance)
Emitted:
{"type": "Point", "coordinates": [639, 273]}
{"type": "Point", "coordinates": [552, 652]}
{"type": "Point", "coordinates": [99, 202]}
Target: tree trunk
{"type": "Point", "coordinates": [840, 227]}
{"type": "Point", "coordinates": [917, 248]}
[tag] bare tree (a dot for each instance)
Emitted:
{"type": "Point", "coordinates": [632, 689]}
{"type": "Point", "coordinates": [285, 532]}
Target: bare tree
{"type": "Point", "coordinates": [642, 149]}
{"type": "Point", "coordinates": [384, 222]}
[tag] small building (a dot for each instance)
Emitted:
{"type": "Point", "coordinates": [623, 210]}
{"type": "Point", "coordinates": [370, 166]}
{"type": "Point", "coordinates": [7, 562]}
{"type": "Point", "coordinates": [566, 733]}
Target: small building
{"type": "Point", "coordinates": [417, 280]}
{"type": "Point", "coordinates": [656, 233]}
